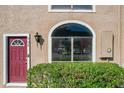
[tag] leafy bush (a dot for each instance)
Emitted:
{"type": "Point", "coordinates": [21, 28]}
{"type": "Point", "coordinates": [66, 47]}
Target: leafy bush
{"type": "Point", "coordinates": [76, 75]}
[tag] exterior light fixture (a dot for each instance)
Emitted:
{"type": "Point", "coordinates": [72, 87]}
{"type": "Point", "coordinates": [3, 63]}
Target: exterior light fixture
{"type": "Point", "coordinates": [39, 39]}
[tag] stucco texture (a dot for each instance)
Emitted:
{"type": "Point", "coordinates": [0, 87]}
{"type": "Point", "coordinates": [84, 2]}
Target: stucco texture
{"type": "Point", "coordinates": [32, 19]}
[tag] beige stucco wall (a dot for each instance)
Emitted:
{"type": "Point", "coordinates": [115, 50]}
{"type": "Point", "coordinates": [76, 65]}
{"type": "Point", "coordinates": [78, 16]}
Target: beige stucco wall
{"type": "Point", "coordinates": [122, 34]}
{"type": "Point", "coordinates": [32, 19]}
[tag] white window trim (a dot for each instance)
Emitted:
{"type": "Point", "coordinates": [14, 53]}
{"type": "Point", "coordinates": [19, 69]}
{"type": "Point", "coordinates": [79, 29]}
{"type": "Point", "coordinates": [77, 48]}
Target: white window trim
{"type": "Point", "coordinates": [67, 10]}
{"type": "Point", "coordinates": [72, 47]}
{"type": "Point", "coordinates": [5, 61]}
{"type": "Point", "coordinates": [71, 21]}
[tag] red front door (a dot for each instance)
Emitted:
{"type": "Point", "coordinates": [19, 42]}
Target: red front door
{"type": "Point", "coordinates": [17, 63]}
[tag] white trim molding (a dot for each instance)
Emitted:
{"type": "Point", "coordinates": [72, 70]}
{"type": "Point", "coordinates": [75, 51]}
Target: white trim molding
{"type": "Point", "coordinates": [5, 59]}
{"type": "Point", "coordinates": [16, 84]}
{"type": "Point", "coordinates": [68, 10]}
{"type": "Point", "coordinates": [71, 21]}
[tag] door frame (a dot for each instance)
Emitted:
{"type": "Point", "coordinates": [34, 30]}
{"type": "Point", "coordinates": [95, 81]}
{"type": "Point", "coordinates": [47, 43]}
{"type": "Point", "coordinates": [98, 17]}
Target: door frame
{"type": "Point", "coordinates": [5, 58]}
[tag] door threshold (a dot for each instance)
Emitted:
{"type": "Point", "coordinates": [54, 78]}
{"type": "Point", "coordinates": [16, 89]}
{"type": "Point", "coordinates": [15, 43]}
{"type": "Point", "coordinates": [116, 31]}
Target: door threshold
{"type": "Point", "coordinates": [17, 84]}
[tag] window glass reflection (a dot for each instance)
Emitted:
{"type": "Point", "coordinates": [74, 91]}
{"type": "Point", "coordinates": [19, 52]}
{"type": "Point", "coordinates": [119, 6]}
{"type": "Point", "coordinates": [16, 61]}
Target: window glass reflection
{"type": "Point", "coordinates": [71, 29]}
{"type": "Point", "coordinates": [82, 49]}
{"type": "Point", "coordinates": [61, 7]}
{"type": "Point", "coordinates": [82, 7]}
{"type": "Point", "coordinates": [61, 49]}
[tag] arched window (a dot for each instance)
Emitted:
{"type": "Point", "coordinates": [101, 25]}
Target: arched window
{"type": "Point", "coordinates": [72, 30]}
{"type": "Point", "coordinates": [17, 42]}
{"type": "Point", "coordinates": [71, 42]}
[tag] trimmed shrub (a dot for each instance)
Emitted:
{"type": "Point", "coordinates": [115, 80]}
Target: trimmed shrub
{"type": "Point", "coordinates": [76, 75]}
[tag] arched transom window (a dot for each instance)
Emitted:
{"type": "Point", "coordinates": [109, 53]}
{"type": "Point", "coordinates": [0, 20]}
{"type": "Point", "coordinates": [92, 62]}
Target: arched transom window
{"type": "Point", "coordinates": [17, 42]}
{"type": "Point", "coordinates": [71, 42]}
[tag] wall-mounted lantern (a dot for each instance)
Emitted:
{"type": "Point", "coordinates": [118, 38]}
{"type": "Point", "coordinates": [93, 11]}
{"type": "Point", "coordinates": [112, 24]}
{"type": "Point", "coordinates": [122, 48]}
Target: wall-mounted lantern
{"type": "Point", "coordinates": [39, 39]}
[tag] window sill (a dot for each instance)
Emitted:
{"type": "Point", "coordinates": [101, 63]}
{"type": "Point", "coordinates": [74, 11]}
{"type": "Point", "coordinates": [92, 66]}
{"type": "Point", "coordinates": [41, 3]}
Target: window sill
{"type": "Point", "coordinates": [72, 11]}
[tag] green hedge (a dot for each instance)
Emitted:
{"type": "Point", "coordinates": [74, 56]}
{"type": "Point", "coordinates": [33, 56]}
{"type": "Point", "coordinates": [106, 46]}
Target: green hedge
{"type": "Point", "coordinates": [76, 75]}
